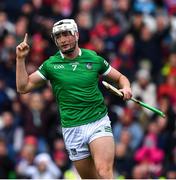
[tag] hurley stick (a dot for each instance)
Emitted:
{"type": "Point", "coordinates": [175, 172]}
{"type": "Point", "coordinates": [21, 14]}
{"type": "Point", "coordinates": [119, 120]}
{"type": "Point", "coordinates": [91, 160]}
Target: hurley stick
{"type": "Point", "coordinates": [118, 93]}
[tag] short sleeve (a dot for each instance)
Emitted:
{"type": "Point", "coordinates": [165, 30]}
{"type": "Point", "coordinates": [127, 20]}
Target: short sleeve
{"type": "Point", "coordinates": [42, 71]}
{"type": "Point", "coordinates": [104, 66]}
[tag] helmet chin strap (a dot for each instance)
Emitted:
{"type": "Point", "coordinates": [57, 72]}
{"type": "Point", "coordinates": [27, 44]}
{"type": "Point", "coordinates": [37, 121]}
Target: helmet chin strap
{"type": "Point", "coordinates": [70, 50]}
{"type": "Point", "coordinates": [76, 37]}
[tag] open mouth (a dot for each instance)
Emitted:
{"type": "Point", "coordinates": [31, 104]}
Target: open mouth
{"type": "Point", "coordinates": [65, 46]}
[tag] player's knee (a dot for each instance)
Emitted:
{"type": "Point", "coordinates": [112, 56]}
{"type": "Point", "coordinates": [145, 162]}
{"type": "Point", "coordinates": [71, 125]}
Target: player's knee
{"type": "Point", "coordinates": [104, 171]}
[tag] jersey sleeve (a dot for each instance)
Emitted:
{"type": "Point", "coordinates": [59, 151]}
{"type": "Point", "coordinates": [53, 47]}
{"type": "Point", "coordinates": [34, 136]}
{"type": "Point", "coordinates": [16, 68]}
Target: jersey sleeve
{"type": "Point", "coordinates": [42, 71]}
{"type": "Point", "coordinates": [104, 66]}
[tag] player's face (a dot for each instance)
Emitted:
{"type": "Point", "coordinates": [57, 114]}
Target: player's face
{"type": "Point", "coordinates": [66, 42]}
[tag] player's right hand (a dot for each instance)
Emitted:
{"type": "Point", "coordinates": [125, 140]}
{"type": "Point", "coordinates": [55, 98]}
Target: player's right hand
{"type": "Point", "coordinates": [22, 49]}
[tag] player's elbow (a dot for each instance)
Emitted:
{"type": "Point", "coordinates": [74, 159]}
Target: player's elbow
{"type": "Point", "coordinates": [21, 90]}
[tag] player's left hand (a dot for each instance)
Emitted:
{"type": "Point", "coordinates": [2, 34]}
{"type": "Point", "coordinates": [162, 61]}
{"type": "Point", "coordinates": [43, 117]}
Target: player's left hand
{"type": "Point", "coordinates": [127, 93]}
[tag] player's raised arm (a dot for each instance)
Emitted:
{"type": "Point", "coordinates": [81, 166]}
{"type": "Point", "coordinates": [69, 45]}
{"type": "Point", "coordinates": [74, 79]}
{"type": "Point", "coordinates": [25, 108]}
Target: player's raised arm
{"type": "Point", "coordinates": [24, 82]}
{"type": "Point", "coordinates": [22, 49]}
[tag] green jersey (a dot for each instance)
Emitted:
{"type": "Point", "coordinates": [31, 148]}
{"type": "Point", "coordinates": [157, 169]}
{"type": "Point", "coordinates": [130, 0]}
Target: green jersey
{"type": "Point", "coordinates": [75, 85]}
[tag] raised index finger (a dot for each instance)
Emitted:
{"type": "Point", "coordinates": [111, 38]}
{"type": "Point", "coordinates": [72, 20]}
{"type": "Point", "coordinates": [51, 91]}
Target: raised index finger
{"type": "Point", "coordinates": [25, 38]}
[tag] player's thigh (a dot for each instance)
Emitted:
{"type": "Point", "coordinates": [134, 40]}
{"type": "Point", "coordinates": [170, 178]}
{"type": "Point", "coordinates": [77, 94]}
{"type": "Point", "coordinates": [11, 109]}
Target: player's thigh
{"type": "Point", "coordinates": [103, 150]}
{"type": "Point", "coordinates": [86, 168]}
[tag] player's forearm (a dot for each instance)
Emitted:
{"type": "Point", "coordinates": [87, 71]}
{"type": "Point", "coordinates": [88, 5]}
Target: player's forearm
{"type": "Point", "coordinates": [124, 82]}
{"type": "Point", "coordinates": [21, 76]}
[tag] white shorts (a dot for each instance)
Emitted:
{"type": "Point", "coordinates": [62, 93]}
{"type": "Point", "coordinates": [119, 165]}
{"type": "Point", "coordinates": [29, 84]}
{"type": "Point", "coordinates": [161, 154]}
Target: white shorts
{"type": "Point", "coordinates": [77, 138]}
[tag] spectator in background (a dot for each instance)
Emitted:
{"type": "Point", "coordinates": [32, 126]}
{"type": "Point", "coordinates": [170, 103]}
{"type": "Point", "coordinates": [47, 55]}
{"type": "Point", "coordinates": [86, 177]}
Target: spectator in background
{"type": "Point", "coordinates": [17, 112]}
{"type": "Point", "coordinates": [96, 44]}
{"type": "Point", "coordinates": [61, 9]}
{"type": "Point", "coordinates": [9, 43]}
{"type": "Point", "coordinates": [5, 25]}
{"type": "Point", "coordinates": [107, 7]}
{"type": "Point", "coordinates": [168, 87]}
{"type": "Point", "coordinates": [24, 99]}
{"type": "Point", "coordinates": [173, 29]}
{"type": "Point", "coordinates": [149, 154]}
{"type": "Point", "coordinates": [168, 109]}
{"type": "Point", "coordinates": [140, 114]}
{"type": "Point", "coordinates": [59, 154]}
{"type": "Point", "coordinates": [144, 88]}
{"type": "Point", "coordinates": [21, 27]}
{"type": "Point", "coordinates": [7, 166]}
{"type": "Point", "coordinates": [44, 168]}
{"type": "Point", "coordinates": [124, 155]}
{"type": "Point", "coordinates": [25, 159]}
{"type": "Point", "coordinates": [128, 123]}
{"type": "Point", "coordinates": [164, 138]}
{"type": "Point", "coordinates": [136, 24]}
{"type": "Point", "coordinates": [109, 31]}
{"type": "Point", "coordinates": [4, 97]}
{"type": "Point", "coordinates": [37, 55]}
{"type": "Point", "coordinates": [170, 64]}
{"type": "Point", "coordinates": [36, 120]}
{"type": "Point", "coordinates": [170, 6]}
{"type": "Point", "coordinates": [146, 6]}
{"type": "Point", "coordinates": [52, 114]}
{"type": "Point", "coordinates": [123, 13]}
{"type": "Point", "coordinates": [148, 43]}
{"type": "Point", "coordinates": [124, 61]}
{"type": "Point", "coordinates": [167, 135]}
{"type": "Point", "coordinates": [71, 173]}
{"type": "Point", "coordinates": [170, 173]}
{"type": "Point", "coordinates": [140, 172]}
{"type": "Point", "coordinates": [9, 132]}
{"type": "Point", "coordinates": [58, 145]}
{"type": "Point", "coordinates": [87, 6]}
{"type": "Point", "coordinates": [61, 160]}
{"type": "Point", "coordinates": [170, 166]}
{"type": "Point", "coordinates": [84, 23]}
{"type": "Point", "coordinates": [7, 58]}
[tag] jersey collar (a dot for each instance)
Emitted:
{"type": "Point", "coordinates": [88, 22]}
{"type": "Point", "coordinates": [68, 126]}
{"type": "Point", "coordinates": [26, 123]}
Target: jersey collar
{"type": "Point", "coordinates": [80, 53]}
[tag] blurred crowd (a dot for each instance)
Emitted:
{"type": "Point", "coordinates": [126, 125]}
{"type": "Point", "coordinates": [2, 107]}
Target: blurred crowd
{"type": "Point", "coordinates": [138, 38]}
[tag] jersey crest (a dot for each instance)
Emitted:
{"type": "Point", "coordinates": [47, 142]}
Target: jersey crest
{"type": "Point", "coordinates": [89, 65]}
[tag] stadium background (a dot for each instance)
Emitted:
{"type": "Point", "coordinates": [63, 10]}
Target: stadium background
{"type": "Point", "coordinates": [137, 37]}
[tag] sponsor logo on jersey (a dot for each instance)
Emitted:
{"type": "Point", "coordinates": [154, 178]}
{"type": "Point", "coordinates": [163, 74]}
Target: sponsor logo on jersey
{"type": "Point", "coordinates": [59, 66]}
{"type": "Point", "coordinates": [89, 65]}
